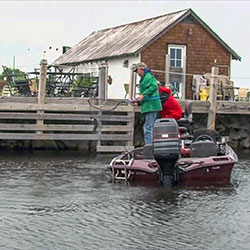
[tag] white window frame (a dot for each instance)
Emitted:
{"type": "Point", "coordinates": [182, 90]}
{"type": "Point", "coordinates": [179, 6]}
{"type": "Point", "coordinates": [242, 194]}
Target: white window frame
{"type": "Point", "coordinates": [183, 54]}
{"type": "Point", "coordinates": [177, 86]}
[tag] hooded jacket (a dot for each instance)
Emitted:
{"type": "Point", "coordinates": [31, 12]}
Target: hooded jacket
{"type": "Point", "coordinates": [170, 106]}
{"type": "Point", "coordinates": [148, 88]}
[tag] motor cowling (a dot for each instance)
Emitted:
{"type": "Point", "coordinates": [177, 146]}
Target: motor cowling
{"type": "Point", "coordinates": [166, 148]}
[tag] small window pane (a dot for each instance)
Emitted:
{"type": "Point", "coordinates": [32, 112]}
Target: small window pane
{"type": "Point", "coordinates": [172, 64]}
{"type": "Point", "coordinates": [172, 53]}
{"type": "Point", "coordinates": [178, 54]}
{"type": "Point", "coordinates": [178, 63]}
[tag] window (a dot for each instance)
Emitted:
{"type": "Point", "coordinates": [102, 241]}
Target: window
{"type": "Point", "coordinates": [176, 88]}
{"type": "Point", "coordinates": [176, 53]}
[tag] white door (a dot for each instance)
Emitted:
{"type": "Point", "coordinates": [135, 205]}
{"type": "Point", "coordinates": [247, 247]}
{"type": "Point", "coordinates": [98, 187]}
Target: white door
{"type": "Point", "coordinates": [176, 64]}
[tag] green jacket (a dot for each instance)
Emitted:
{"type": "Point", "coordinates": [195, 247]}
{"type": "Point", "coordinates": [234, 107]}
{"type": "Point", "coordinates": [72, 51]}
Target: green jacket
{"type": "Point", "coordinates": [149, 89]}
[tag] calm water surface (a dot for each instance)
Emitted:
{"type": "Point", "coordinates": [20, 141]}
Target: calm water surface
{"type": "Point", "coordinates": [65, 201]}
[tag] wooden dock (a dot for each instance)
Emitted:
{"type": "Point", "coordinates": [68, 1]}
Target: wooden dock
{"type": "Point", "coordinates": [222, 107]}
{"type": "Point", "coordinates": [110, 125]}
{"type": "Point", "coordinates": [73, 119]}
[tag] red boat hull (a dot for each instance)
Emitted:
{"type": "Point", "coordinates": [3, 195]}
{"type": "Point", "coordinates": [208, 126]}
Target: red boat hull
{"type": "Point", "coordinates": [188, 171]}
{"type": "Point", "coordinates": [204, 171]}
{"type": "Point", "coordinates": [141, 176]}
{"type": "Point", "coordinates": [207, 175]}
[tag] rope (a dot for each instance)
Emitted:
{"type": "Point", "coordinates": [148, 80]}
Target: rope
{"type": "Point", "coordinates": [103, 109]}
{"type": "Point", "coordinates": [189, 74]}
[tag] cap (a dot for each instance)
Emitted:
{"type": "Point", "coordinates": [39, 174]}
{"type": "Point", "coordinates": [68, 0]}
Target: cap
{"type": "Point", "coordinates": [139, 65]}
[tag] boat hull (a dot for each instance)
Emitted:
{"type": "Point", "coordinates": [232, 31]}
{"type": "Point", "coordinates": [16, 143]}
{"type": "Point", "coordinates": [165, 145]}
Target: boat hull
{"type": "Point", "coordinates": [188, 171]}
{"type": "Point", "coordinates": [217, 174]}
{"type": "Point", "coordinates": [203, 171]}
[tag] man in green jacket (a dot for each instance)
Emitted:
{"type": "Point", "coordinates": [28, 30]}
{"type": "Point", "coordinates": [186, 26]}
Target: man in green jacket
{"type": "Point", "coordinates": [149, 98]}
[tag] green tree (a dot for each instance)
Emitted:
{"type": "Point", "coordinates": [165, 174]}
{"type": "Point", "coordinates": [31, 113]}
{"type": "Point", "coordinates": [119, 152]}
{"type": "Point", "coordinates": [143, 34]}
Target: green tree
{"type": "Point", "coordinates": [19, 74]}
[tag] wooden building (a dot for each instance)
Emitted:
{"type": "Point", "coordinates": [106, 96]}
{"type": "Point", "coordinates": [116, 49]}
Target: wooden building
{"type": "Point", "coordinates": [176, 43]}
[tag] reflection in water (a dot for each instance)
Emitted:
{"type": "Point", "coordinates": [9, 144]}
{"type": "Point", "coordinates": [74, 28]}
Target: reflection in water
{"type": "Point", "coordinates": [66, 201]}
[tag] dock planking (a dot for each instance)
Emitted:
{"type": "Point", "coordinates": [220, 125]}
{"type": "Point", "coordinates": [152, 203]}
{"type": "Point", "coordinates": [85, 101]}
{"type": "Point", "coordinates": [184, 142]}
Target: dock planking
{"type": "Point", "coordinates": [21, 118]}
{"type": "Point", "coordinates": [76, 119]}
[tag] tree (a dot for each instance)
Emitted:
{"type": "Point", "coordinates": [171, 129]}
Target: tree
{"type": "Point", "coordinates": [19, 75]}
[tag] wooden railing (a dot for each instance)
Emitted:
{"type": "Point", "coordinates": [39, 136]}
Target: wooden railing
{"type": "Point", "coordinates": [68, 119]}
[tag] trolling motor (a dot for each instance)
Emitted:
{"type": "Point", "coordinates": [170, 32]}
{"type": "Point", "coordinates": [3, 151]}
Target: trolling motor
{"type": "Point", "coordinates": [166, 149]}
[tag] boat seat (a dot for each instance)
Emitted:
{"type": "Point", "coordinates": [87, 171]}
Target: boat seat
{"type": "Point", "coordinates": [187, 119]}
{"type": "Point", "coordinates": [203, 149]}
{"type": "Point", "coordinates": [186, 123]}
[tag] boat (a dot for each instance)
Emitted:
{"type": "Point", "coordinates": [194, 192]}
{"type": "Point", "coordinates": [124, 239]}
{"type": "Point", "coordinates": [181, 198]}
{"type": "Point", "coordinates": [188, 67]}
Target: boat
{"type": "Point", "coordinates": [177, 157]}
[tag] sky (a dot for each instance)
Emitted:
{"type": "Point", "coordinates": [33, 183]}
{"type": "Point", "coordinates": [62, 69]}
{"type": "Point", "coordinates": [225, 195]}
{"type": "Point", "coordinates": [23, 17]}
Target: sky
{"type": "Point", "coordinates": [33, 30]}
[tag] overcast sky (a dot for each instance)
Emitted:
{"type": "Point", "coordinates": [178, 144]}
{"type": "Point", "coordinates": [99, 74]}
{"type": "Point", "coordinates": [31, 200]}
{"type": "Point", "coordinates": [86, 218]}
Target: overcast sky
{"type": "Point", "coordinates": [29, 28]}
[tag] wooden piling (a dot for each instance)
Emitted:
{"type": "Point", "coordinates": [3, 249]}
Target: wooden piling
{"type": "Point", "coordinates": [102, 83]}
{"type": "Point", "coordinates": [132, 85]}
{"type": "Point", "coordinates": [102, 96]}
{"type": "Point", "coordinates": [213, 98]}
{"type": "Point", "coordinates": [41, 95]}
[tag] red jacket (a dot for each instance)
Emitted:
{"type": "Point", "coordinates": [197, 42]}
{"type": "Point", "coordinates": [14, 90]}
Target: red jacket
{"type": "Point", "coordinates": [170, 106]}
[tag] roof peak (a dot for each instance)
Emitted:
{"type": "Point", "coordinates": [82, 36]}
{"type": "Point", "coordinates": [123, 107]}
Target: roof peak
{"type": "Point", "coordinates": [143, 20]}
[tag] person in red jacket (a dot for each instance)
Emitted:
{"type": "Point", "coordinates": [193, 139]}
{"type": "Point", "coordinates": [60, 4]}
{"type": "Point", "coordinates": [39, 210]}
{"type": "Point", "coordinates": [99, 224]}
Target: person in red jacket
{"type": "Point", "coordinates": [170, 106]}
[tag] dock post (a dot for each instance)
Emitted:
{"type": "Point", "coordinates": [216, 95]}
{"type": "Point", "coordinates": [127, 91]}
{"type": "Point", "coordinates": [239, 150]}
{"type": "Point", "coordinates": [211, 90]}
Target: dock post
{"type": "Point", "coordinates": [41, 94]}
{"type": "Point", "coordinates": [102, 86]}
{"type": "Point", "coordinates": [131, 96]}
{"type": "Point", "coordinates": [213, 98]}
{"type": "Point", "coordinates": [102, 97]}
{"type": "Point", "coordinates": [132, 85]}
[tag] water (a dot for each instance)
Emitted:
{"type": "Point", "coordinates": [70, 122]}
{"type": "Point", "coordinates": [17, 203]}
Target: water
{"type": "Point", "coordinates": [65, 201]}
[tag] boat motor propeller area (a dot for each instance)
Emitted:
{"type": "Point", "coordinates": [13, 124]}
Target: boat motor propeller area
{"type": "Point", "coordinates": [166, 148]}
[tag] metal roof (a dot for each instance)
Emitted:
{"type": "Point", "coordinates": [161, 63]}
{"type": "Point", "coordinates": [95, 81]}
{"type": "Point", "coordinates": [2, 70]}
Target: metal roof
{"type": "Point", "coordinates": [128, 39]}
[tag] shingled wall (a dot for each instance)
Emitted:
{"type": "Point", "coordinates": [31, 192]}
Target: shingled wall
{"type": "Point", "coordinates": [201, 49]}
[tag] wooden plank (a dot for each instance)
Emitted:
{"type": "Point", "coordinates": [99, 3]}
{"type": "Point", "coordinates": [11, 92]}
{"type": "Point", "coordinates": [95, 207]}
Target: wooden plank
{"type": "Point", "coordinates": [118, 128]}
{"type": "Point", "coordinates": [63, 116]}
{"type": "Point", "coordinates": [99, 126]}
{"type": "Point", "coordinates": [59, 127]}
{"type": "Point", "coordinates": [200, 107]}
{"type": "Point", "coordinates": [113, 148]}
{"type": "Point", "coordinates": [18, 107]}
{"type": "Point", "coordinates": [233, 108]}
{"type": "Point", "coordinates": [46, 127]}
{"type": "Point", "coordinates": [18, 99]}
{"type": "Point", "coordinates": [75, 137]}
{"type": "Point", "coordinates": [115, 118]}
{"type": "Point", "coordinates": [62, 107]}
{"type": "Point", "coordinates": [74, 105]}
{"type": "Point", "coordinates": [131, 132]}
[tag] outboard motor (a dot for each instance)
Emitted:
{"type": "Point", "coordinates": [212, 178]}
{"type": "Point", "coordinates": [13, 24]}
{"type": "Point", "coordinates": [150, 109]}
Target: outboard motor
{"type": "Point", "coordinates": [166, 148]}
